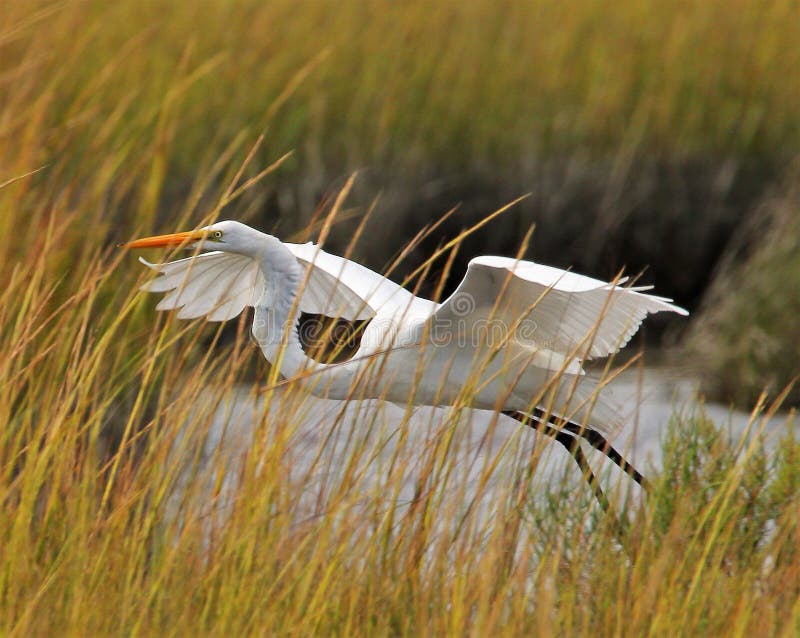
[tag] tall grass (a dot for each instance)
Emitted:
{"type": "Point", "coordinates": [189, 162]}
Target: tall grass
{"type": "Point", "coordinates": [120, 515]}
{"type": "Point", "coordinates": [371, 526]}
{"type": "Point", "coordinates": [745, 340]}
{"type": "Point", "coordinates": [114, 94]}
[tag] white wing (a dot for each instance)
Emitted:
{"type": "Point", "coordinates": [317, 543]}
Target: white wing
{"type": "Point", "coordinates": [563, 312]}
{"type": "Point", "coordinates": [366, 294]}
{"type": "Point", "coordinates": [219, 285]}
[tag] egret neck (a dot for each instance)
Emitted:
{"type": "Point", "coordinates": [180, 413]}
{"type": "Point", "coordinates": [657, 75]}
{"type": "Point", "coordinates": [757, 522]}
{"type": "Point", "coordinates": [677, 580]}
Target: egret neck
{"type": "Point", "coordinates": [276, 312]}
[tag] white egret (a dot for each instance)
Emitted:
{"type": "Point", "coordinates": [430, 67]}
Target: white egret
{"type": "Point", "coordinates": [513, 336]}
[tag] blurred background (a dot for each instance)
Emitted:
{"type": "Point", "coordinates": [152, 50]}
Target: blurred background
{"type": "Point", "coordinates": [658, 137]}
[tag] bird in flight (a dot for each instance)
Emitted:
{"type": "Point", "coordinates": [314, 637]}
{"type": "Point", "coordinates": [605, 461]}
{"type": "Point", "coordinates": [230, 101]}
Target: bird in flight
{"type": "Point", "coordinates": [512, 338]}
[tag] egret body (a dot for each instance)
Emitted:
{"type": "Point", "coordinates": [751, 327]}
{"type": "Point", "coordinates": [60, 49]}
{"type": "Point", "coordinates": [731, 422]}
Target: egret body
{"type": "Point", "coordinates": [513, 336]}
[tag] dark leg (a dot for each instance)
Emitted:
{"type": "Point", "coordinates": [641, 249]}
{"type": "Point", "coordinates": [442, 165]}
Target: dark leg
{"type": "Point", "coordinates": [594, 438]}
{"type": "Point", "coordinates": [572, 445]}
{"type": "Point", "coordinates": [599, 442]}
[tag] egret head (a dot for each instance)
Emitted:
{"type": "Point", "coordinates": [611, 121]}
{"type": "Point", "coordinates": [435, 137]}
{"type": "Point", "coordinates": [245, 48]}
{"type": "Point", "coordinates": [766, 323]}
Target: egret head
{"type": "Point", "coordinates": [225, 236]}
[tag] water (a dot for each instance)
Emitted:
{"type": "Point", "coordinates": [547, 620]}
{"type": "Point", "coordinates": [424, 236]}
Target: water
{"type": "Point", "coordinates": [327, 432]}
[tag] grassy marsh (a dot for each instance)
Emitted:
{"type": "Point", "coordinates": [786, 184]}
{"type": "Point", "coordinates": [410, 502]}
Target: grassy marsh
{"type": "Point", "coordinates": [145, 116]}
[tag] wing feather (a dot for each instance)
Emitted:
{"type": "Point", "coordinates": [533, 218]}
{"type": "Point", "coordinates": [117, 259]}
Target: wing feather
{"type": "Point", "coordinates": [565, 312]}
{"type": "Point", "coordinates": [360, 292]}
{"type": "Point", "coordinates": [216, 285]}
{"type": "Point", "coordinates": [219, 285]}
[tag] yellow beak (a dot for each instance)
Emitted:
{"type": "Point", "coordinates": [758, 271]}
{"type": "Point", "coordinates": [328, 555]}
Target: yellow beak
{"type": "Point", "coordinates": [158, 241]}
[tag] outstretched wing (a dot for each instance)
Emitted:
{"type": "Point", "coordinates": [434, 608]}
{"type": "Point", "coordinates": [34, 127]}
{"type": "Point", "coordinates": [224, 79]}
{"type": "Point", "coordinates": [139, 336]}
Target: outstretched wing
{"type": "Point", "coordinates": [219, 285]}
{"type": "Point", "coordinates": [336, 280]}
{"type": "Point", "coordinates": [552, 309]}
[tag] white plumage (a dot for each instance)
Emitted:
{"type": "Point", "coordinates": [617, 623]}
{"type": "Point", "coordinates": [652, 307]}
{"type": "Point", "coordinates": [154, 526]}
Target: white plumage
{"type": "Point", "coordinates": [548, 321]}
{"type": "Point", "coordinates": [573, 314]}
{"type": "Point", "coordinates": [219, 285]}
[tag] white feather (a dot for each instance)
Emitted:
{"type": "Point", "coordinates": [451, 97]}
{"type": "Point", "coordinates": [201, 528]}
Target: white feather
{"type": "Point", "coordinates": [215, 285]}
{"type": "Point", "coordinates": [365, 292]}
{"type": "Point", "coordinates": [219, 285]}
{"type": "Point", "coordinates": [569, 313]}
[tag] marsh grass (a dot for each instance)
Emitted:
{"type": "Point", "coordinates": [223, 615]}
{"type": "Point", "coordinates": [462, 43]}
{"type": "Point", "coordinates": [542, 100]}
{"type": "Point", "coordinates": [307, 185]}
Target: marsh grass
{"type": "Point", "coordinates": [745, 339]}
{"type": "Point", "coordinates": [142, 100]}
{"type": "Point", "coordinates": [376, 528]}
{"type": "Point", "coordinates": [121, 516]}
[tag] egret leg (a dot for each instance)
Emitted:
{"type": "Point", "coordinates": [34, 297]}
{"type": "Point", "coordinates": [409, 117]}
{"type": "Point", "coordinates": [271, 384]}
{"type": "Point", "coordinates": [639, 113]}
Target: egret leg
{"type": "Point", "coordinates": [599, 442]}
{"type": "Point", "coordinates": [593, 437]}
{"type": "Point", "coordinates": [572, 445]}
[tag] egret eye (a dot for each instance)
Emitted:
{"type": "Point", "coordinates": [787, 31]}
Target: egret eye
{"type": "Point", "coordinates": [217, 234]}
